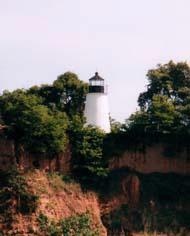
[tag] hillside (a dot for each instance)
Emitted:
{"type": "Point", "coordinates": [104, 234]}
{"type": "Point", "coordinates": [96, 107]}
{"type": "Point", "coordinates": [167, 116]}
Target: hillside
{"type": "Point", "coordinates": [59, 177]}
{"type": "Point", "coordinates": [56, 200]}
{"type": "Point", "coordinates": [47, 203]}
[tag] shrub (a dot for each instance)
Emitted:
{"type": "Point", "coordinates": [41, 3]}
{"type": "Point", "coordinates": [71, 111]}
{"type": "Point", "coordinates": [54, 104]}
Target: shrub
{"type": "Point", "coordinates": [14, 187]}
{"type": "Point", "coordinates": [88, 163]}
{"type": "Point", "coordinates": [72, 226]}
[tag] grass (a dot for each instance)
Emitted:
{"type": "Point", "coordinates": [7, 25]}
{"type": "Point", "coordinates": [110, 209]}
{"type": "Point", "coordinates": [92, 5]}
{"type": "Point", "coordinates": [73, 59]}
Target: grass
{"type": "Point", "coordinates": [42, 182]}
{"type": "Point", "coordinates": [61, 183]}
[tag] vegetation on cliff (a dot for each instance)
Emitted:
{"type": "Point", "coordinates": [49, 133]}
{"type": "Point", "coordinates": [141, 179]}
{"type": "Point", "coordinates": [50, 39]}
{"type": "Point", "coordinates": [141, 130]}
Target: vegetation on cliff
{"type": "Point", "coordinates": [164, 114]}
{"type": "Point", "coordinates": [15, 198]}
{"type": "Point", "coordinates": [77, 225]}
{"type": "Point", "coordinates": [165, 106]}
{"type": "Point", "coordinates": [47, 119]}
{"type": "Point", "coordinates": [39, 117]}
{"type": "Point", "coordinates": [39, 203]}
{"type": "Point", "coordinates": [88, 162]}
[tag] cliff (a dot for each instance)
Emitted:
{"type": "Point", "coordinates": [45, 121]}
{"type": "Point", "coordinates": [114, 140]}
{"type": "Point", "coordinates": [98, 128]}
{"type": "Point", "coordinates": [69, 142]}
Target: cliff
{"type": "Point", "coordinates": [12, 154]}
{"type": "Point", "coordinates": [153, 159]}
{"type": "Point", "coordinates": [57, 200]}
{"type": "Point", "coordinates": [146, 204]}
{"type": "Point", "coordinates": [132, 204]}
{"type": "Point", "coordinates": [144, 193]}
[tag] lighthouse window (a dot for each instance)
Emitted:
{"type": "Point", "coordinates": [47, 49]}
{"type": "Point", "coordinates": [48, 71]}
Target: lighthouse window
{"type": "Point", "coordinates": [92, 83]}
{"type": "Point", "coordinates": [97, 83]}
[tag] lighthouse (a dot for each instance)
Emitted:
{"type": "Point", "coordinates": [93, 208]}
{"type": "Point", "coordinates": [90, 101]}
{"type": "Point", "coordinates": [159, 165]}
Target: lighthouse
{"type": "Point", "coordinates": [96, 107]}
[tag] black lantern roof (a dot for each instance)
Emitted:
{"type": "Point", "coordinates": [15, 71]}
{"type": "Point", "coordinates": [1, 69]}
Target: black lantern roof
{"type": "Point", "coordinates": [96, 77]}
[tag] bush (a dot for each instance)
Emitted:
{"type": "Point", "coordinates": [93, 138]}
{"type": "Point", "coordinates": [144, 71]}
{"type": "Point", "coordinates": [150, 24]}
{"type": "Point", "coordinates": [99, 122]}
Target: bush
{"type": "Point", "coordinates": [88, 162]}
{"type": "Point", "coordinates": [73, 226]}
{"type": "Point", "coordinates": [14, 187]}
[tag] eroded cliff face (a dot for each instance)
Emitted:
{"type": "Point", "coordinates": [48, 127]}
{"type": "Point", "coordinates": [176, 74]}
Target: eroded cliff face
{"type": "Point", "coordinates": [141, 196]}
{"type": "Point", "coordinates": [12, 154]}
{"type": "Point", "coordinates": [147, 204]}
{"type": "Point", "coordinates": [136, 204]}
{"type": "Point", "coordinates": [153, 160]}
{"type": "Point", "coordinates": [57, 200]}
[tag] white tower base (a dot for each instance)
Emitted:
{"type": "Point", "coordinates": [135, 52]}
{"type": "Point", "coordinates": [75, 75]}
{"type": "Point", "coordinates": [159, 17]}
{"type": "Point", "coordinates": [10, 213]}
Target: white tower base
{"type": "Point", "coordinates": [96, 111]}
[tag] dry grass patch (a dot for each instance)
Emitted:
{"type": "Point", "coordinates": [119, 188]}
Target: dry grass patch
{"type": "Point", "coordinates": [42, 182]}
{"type": "Point", "coordinates": [60, 183]}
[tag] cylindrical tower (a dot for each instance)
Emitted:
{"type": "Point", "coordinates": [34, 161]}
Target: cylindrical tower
{"type": "Point", "coordinates": [96, 108]}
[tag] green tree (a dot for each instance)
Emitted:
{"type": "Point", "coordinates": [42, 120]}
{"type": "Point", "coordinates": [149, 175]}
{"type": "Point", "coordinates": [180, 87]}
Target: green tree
{"type": "Point", "coordinates": [88, 162]}
{"type": "Point", "coordinates": [116, 126]}
{"type": "Point", "coordinates": [171, 80]}
{"type": "Point", "coordinates": [12, 105]}
{"type": "Point", "coordinates": [29, 122]}
{"type": "Point", "coordinates": [164, 107]}
{"type": "Point", "coordinates": [160, 117]}
{"type": "Point", "coordinates": [72, 92]}
{"type": "Point", "coordinates": [45, 130]}
{"type": "Point", "coordinates": [67, 94]}
{"type": "Point", "coordinates": [49, 94]}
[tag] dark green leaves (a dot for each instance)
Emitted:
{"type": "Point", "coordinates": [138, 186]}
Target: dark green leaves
{"type": "Point", "coordinates": [166, 101]}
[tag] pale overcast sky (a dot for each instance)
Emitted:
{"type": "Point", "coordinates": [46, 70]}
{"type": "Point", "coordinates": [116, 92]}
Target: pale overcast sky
{"type": "Point", "coordinates": [121, 39]}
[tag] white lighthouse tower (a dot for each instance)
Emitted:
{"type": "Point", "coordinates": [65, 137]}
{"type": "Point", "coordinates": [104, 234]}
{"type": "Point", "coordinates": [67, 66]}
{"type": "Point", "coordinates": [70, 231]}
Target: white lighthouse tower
{"type": "Point", "coordinates": [96, 108]}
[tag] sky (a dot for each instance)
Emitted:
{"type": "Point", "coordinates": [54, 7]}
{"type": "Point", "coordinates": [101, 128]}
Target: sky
{"type": "Point", "coordinates": [121, 39]}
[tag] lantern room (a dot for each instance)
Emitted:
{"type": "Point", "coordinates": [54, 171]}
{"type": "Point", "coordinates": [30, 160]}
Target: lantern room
{"type": "Point", "coordinates": [96, 84]}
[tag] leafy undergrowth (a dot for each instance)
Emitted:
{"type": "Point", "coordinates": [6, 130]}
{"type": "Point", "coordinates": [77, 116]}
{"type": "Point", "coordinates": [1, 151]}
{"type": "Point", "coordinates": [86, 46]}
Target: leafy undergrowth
{"type": "Point", "coordinates": [15, 197]}
{"type": "Point", "coordinates": [77, 225]}
{"type": "Point", "coordinates": [41, 203]}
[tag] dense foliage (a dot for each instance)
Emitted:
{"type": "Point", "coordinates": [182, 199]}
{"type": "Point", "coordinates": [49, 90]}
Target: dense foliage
{"type": "Point", "coordinates": [164, 114]}
{"type": "Point", "coordinates": [48, 118]}
{"type": "Point", "coordinates": [163, 117]}
{"type": "Point", "coordinates": [88, 162]}
{"type": "Point", "coordinates": [29, 122]}
{"type": "Point", "coordinates": [164, 107]}
{"type": "Point", "coordinates": [67, 94]}
{"type": "Point", "coordinates": [15, 197]}
{"type": "Point", "coordinates": [39, 117]}
{"type": "Point", "coordinates": [73, 226]}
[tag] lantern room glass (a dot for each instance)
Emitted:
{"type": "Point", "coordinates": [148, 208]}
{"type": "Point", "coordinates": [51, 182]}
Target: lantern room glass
{"type": "Point", "coordinates": [96, 83]}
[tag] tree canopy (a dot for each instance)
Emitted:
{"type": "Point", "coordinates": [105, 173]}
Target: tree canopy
{"type": "Point", "coordinates": [163, 115]}
{"type": "Point", "coordinates": [30, 122]}
{"type": "Point", "coordinates": [39, 117]}
{"type": "Point", "coordinates": [165, 105]}
{"type": "Point", "coordinates": [67, 93]}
